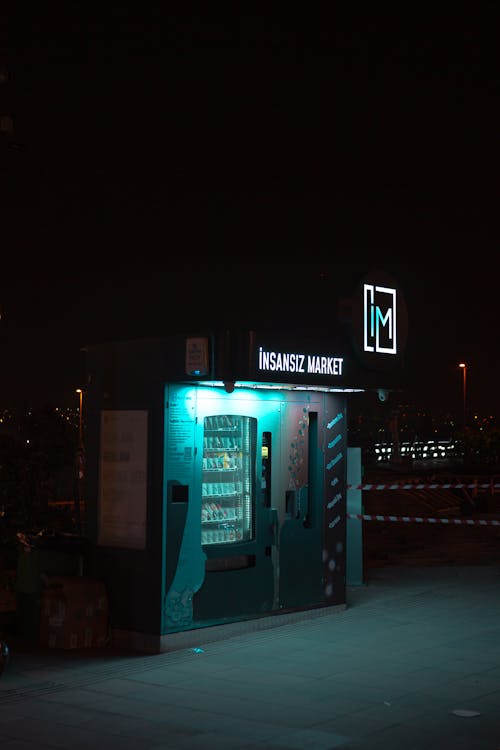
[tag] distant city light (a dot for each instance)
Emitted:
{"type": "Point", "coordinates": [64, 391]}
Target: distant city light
{"type": "Point", "coordinates": [419, 449]}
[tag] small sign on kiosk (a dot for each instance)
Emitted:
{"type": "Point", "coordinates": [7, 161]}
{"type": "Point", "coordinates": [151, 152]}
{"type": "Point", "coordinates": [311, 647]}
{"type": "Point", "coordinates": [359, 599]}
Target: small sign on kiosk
{"type": "Point", "coordinates": [197, 356]}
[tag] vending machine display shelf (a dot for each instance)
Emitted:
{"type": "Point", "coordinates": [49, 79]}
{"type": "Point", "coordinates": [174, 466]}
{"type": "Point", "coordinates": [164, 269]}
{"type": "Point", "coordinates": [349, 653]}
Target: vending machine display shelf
{"type": "Point", "coordinates": [219, 471]}
{"type": "Point", "coordinates": [222, 423]}
{"type": "Point", "coordinates": [211, 508]}
{"type": "Point", "coordinates": [223, 495]}
{"type": "Point", "coordinates": [229, 446]}
{"type": "Point", "coordinates": [216, 513]}
{"type": "Point", "coordinates": [225, 534]}
{"type": "Point", "coordinates": [222, 430]}
{"type": "Point", "coordinates": [220, 451]}
{"type": "Point", "coordinates": [212, 521]}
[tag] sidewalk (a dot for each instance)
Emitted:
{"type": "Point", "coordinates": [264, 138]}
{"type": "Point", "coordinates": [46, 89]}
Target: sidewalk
{"type": "Point", "coordinates": [412, 646]}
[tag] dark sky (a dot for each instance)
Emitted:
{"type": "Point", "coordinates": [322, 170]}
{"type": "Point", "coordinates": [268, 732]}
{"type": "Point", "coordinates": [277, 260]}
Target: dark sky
{"type": "Point", "coordinates": [221, 167]}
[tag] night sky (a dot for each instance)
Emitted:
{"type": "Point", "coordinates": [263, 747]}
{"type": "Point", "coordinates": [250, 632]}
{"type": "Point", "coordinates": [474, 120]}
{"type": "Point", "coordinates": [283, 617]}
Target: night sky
{"type": "Point", "coordinates": [223, 168]}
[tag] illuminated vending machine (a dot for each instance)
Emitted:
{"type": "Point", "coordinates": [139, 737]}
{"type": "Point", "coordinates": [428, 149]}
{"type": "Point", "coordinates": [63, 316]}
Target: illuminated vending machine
{"type": "Point", "coordinates": [227, 489]}
{"type": "Point", "coordinates": [216, 479]}
{"type": "Point", "coordinates": [247, 530]}
{"type": "Point", "coordinates": [219, 562]}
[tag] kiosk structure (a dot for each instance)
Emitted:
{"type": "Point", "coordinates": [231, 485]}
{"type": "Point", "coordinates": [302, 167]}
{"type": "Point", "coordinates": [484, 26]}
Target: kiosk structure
{"type": "Point", "coordinates": [216, 468]}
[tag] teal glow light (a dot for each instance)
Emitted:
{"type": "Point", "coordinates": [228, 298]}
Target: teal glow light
{"type": "Point", "coordinates": [253, 385]}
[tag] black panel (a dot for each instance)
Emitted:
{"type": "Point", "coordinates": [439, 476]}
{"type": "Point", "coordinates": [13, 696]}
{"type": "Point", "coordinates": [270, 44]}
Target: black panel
{"type": "Point", "coordinates": [237, 562]}
{"type": "Point", "coordinates": [180, 493]}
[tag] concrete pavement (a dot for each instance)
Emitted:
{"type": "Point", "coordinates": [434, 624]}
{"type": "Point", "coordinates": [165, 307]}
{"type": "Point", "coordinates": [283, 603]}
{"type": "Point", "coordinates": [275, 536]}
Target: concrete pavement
{"type": "Point", "coordinates": [414, 645]}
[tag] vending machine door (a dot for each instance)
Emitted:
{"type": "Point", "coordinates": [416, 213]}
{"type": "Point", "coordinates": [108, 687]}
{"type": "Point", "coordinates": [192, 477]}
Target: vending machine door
{"type": "Point", "coordinates": [256, 508]}
{"type": "Point", "coordinates": [234, 529]}
{"type": "Point", "coordinates": [219, 538]}
{"type": "Point", "coordinates": [228, 479]}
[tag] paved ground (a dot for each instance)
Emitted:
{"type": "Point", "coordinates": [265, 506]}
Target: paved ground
{"type": "Point", "coordinates": [413, 645]}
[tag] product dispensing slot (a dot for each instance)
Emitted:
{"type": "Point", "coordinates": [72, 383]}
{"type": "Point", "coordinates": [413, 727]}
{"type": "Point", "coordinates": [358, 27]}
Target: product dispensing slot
{"type": "Point", "coordinates": [222, 564]}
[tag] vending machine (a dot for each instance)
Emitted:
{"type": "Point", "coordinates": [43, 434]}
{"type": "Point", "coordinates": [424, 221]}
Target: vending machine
{"type": "Point", "coordinates": [245, 502]}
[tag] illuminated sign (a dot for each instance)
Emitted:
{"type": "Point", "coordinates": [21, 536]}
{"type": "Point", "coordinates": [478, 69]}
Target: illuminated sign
{"type": "Point", "coordinates": [380, 333]}
{"type": "Point", "coordinates": [293, 362]}
{"type": "Point", "coordinates": [378, 317]}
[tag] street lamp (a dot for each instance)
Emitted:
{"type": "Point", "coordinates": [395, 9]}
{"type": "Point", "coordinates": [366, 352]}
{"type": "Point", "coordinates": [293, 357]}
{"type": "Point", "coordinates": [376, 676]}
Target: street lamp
{"type": "Point", "coordinates": [463, 366]}
{"type": "Point", "coordinates": [80, 461]}
{"type": "Point", "coordinates": [80, 425]}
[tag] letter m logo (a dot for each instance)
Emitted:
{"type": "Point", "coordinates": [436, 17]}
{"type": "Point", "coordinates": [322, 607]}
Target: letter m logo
{"type": "Point", "coordinates": [379, 319]}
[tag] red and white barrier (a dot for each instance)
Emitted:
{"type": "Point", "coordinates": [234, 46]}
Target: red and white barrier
{"type": "Point", "coordinates": [417, 519]}
{"type": "Point", "coordinates": [423, 486]}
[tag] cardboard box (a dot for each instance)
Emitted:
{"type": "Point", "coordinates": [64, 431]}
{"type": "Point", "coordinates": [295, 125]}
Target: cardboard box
{"type": "Point", "coordinates": [74, 613]}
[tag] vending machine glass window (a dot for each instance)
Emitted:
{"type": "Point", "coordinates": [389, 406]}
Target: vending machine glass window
{"type": "Point", "coordinates": [228, 484]}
